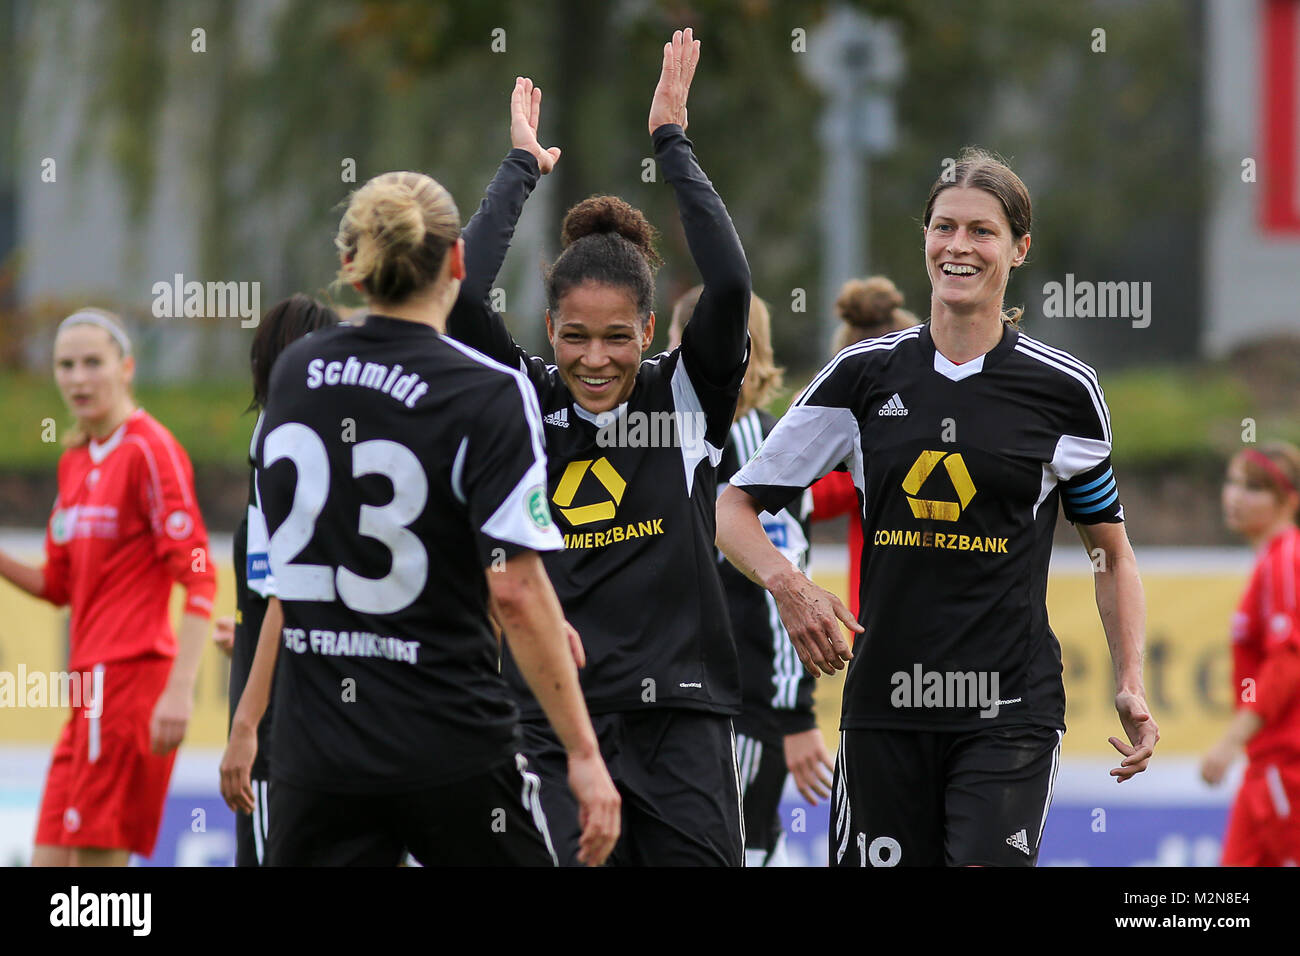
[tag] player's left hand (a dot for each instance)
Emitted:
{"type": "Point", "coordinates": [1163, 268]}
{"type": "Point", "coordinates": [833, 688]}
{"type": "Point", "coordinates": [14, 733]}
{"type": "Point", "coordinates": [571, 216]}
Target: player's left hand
{"type": "Point", "coordinates": [1142, 732]}
{"type": "Point", "coordinates": [223, 634]}
{"type": "Point", "coordinates": [171, 715]}
{"type": "Point", "coordinates": [681, 57]}
{"type": "Point", "coordinates": [525, 111]}
{"type": "Point", "coordinates": [809, 764]}
{"type": "Point", "coordinates": [237, 769]}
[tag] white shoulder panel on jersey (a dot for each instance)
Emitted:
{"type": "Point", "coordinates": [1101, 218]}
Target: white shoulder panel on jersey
{"type": "Point", "coordinates": [1074, 455]}
{"type": "Point", "coordinates": [515, 521]}
{"type": "Point", "coordinates": [808, 442]}
{"type": "Point", "coordinates": [694, 446]}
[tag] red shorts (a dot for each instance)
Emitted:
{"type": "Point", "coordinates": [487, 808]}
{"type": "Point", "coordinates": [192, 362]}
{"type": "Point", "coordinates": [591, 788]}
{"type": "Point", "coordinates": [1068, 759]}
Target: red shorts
{"type": "Point", "coordinates": [1264, 825]}
{"type": "Point", "coordinates": [106, 787]}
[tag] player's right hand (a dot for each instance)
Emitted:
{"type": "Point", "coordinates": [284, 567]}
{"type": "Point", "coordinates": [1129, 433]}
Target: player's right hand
{"type": "Point", "coordinates": [1215, 764]}
{"type": "Point", "coordinates": [812, 617]}
{"type": "Point", "coordinates": [525, 111]}
{"type": "Point", "coordinates": [575, 645]}
{"type": "Point", "coordinates": [237, 770]}
{"type": "Point", "coordinates": [600, 808]}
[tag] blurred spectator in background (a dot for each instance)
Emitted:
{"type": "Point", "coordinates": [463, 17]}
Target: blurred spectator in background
{"type": "Point", "coordinates": [125, 527]}
{"type": "Point", "coordinates": [1261, 502]}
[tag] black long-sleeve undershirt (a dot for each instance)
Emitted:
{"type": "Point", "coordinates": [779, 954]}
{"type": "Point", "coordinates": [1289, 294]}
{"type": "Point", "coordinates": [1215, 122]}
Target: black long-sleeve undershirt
{"type": "Point", "coordinates": [714, 343]}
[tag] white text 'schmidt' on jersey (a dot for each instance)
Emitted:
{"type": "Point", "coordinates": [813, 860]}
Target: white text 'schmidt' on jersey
{"type": "Point", "coordinates": [395, 465]}
{"type": "Point", "coordinates": [959, 469]}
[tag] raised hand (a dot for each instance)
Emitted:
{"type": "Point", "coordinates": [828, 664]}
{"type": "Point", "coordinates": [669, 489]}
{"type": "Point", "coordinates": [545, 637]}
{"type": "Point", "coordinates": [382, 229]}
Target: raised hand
{"type": "Point", "coordinates": [681, 56]}
{"type": "Point", "coordinates": [525, 109]}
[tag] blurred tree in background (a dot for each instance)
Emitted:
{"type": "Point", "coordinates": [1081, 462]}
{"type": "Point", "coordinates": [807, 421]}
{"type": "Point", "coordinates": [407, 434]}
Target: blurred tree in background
{"type": "Point", "coordinates": [288, 90]}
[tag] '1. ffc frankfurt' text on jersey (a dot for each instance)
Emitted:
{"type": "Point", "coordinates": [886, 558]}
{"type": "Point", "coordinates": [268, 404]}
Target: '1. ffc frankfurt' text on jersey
{"type": "Point", "coordinates": [634, 492]}
{"type": "Point", "coordinates": [395, 465]}
{"type": "Point", "coordinates": [959, 469]}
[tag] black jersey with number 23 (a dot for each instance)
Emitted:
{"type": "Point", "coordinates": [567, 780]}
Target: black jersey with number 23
{"type": "Point", "coordinates": [395, 466]}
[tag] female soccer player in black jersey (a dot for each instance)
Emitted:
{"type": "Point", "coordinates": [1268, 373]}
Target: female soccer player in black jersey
{"type": "Point", "coordinates": [284, 323]}
{"type": "Point", "coordinates": [961, 436]}
{"type": "Point", "coordinates": [633, 448]}
{"type": "Point", "coordinates": [402, 478]}
{"type": "Point", "coordinates": [776, 731]}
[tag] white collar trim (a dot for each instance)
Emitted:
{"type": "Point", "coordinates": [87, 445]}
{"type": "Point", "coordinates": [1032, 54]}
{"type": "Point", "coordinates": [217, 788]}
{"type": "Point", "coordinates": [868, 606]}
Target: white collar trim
{"type": "Point", "coordinates": [602, 418]}
{"type": "Point", "coordinates": [99, 451]}
{"type": "Point", "coordinates": [956, 372]}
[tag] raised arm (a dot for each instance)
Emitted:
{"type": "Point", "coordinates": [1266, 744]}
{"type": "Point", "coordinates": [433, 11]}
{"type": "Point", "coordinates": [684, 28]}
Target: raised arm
{"type": "Point", "coordinates": [487, 235]}
{"type": "Point", "coordinates": [714, 341]}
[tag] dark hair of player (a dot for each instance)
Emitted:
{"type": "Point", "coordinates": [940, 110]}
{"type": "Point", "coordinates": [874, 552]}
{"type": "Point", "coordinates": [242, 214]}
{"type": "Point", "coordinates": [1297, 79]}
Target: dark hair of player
{"type": "Point", "coordinates": [605, 240]}
{"type": "Point", "coordinates": [977, 168]}
{"type": "Point", "coordinates": [1274, 466]}
{"type": "Point", "coordinates": [395, 235]}
{"type": "Point", "coordinates": [284, 323]}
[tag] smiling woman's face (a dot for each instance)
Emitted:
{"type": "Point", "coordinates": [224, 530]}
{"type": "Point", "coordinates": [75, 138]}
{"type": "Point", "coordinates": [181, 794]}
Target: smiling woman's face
{"type": "Point", "coordinates": [969, 249]}
{"type": "Point", "coordinates": [599, 339]}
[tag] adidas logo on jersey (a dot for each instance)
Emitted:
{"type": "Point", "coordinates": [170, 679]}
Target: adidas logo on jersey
{"type": "Point", "coordinates": [1020, 841]}
{"type": "Point", "coordinates": [559, 419]}
{"type": "Point", "coordinates": [894, 406]}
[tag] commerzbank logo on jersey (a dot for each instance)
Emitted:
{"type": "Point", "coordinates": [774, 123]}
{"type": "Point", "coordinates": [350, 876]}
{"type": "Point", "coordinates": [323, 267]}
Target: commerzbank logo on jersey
{"type": "Point", "coordinates": [959, 477]}
{"type": "Point", "coordinates": [953, 491]}
{"type": "Point", "coordinates": [587, 475]}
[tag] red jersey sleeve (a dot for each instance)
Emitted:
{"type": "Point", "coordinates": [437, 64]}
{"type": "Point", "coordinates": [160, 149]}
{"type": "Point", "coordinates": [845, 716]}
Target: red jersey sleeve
{"type": "Point", "coordinates": [166, 484]}
{"type": "Point", "coordinates": [1271, 615]}
{"type": "Point", "coordinates": [834, 495]}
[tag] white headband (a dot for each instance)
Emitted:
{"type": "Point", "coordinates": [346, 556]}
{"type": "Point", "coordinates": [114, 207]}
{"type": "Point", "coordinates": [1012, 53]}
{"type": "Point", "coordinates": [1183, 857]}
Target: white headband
{"type": "Point", "coordinates": [94, 318]}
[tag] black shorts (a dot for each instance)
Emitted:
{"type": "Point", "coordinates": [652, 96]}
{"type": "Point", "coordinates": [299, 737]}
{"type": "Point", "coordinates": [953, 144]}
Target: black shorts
{"type": "Point", "coordinates": [251, 829]}
{"type": "Point", "coordinates": [676, 772]}
{"type": "Point", "coordinates": [493, 819]}
{"type": "Point", "coordinates": [762, 779]}
{"type": "Point", "coordinates": [936, 798]}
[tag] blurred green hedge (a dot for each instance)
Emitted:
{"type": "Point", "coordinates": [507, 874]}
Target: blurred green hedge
{"type": "Point", "coordinates": [1160, 416]}
{"type": "Point", "coordinates": [206, 417]}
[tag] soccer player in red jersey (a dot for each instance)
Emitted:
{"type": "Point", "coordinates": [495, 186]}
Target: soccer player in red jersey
{"type": "Point", "coordinates": [125, 526]}
{"type": "Point", "coordinates": [1261, 502]}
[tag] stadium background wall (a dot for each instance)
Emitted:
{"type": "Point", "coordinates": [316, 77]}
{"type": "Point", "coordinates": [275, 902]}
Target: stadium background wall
{"type": "Point", "coordinates": [1188, 669]}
